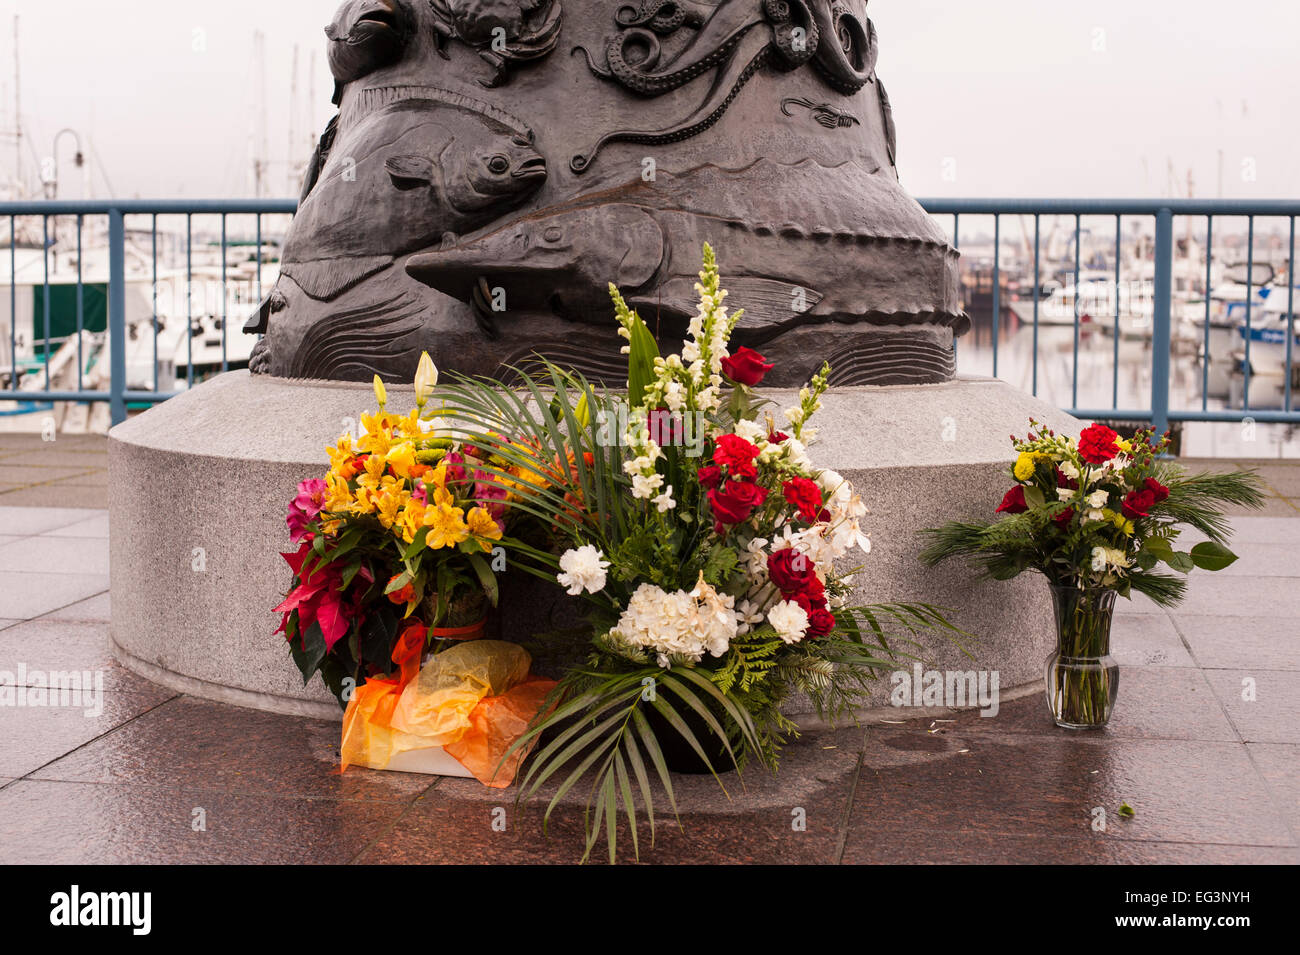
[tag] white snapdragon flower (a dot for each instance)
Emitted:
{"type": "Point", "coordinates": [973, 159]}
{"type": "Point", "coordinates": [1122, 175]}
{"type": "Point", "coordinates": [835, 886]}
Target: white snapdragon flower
{"type": "Point", "coordinates": [665, 500]}
{"type": "Point", "coordinates": [756, 559]}
{"type": "Point", "coordinates": [1099, 559]}
{"type": "Point", "coordinates": [1064, 493]}
{"type": "Point", "coordinates": [583, 569]}
{"type": "Point", "coordinates": [789, 620]}
{"type": "Point", "coordinates": [1069, 470]}
{"type": "Point", "coordinates": [644, 486]}
{"type": "Point", "coordinates": [1098, 499]}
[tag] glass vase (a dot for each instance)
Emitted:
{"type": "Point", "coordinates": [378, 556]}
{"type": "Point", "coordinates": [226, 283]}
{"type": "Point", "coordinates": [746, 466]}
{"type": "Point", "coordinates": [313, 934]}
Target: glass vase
{"type": "Point", "coordinates": [1082, 677]}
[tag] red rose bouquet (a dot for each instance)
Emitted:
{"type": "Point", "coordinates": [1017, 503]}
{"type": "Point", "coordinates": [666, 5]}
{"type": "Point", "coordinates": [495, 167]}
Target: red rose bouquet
{"type": "Point", "coordinates": [1097, 517]}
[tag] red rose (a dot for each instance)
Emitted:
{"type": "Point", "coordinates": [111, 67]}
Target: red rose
{"type": "Point", "coordinates": [736, 501]}
{"type": "Point", "coordinates": [1098, 444]}
{"type": "Point", "coordinates": [1063, 481]}
{"type": "Point", "coordinates": [1158, 490]}
{"type": "Point", "coordinates": [792, 572]}
{"type": "Point", "coordinates": [1064, 518]}
{"type": "Point", "coordinates": [1013, 502]}
{"type": "Point", "coordinates": [709, 476]}
{"type": "Point", "coordinates": [805, 495]}
{"type": "Point", "coordinates": [1137, 503]}
{"type": "Point", "coordinates": [820, 623]}
{"type": "Point", "coordinates": [746, 366]}
{"type": "Point", "coordinates": [812, 596]}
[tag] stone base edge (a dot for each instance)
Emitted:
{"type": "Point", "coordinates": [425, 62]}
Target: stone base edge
{"type": "Point", "coordinates": [192, 686]}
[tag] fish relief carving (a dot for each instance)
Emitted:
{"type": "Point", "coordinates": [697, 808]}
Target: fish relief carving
{"type": "Point", "coordinates": [737, 39]}
{"type": "Point", "coordinates": [506, 33]}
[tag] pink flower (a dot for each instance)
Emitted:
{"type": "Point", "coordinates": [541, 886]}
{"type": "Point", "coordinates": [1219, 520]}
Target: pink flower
{"type": "Point", "coordinates": [455, 462]}
{"type": "Point", "coordinates": [305, 507]}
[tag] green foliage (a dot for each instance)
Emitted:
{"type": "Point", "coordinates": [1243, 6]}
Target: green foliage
{"type": "Point", "coordinates": [1002, 549]}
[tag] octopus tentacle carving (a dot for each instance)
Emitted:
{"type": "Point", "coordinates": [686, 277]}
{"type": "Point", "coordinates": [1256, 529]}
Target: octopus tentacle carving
{"type": "Point", "coordinates": [846, 57]}
{"type": "Point", "coordinates": [737, 50]}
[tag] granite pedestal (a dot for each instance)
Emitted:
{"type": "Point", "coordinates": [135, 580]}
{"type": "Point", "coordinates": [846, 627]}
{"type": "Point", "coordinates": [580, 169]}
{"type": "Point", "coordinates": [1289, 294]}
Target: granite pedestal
{"type": "Point", "coordinates": [199, 486]}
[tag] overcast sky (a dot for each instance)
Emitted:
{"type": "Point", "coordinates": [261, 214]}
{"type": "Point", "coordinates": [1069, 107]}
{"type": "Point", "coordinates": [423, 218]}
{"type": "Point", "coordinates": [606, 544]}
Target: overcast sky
{"type": "Point", "coordinates": [1003, 98]}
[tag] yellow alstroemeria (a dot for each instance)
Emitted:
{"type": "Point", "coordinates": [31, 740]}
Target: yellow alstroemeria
{"type": "Point", "coordinates": [381, 393]}
{"type": "Point", "coordinates": [391, 501]}
{"type": "Point", "coordinates": [366, 500]}
{"type": "Point", "coordinates": [447, 526]}
{"type": "Point", "coordinates": [342, 452]}
{"type": "Point", "coordinates": [378, 437]}
{"type": "Point", "coordinates": [411, 519]}
{"type": "Point", "coordinates": [375, 471]}
{"type": "Point", "coordinates": [482, 526]}
{"type": "Point", "coordinates": [338, 496]}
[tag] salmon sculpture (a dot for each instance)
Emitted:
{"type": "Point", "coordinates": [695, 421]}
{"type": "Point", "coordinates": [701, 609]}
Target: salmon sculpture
{"type": "Point", "coordinates": [496, 163]}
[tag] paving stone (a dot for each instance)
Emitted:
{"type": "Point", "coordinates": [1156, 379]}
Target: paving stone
{"type": "Point", "coordinates": [36, 735]}
{"type": "Point", "coordinates": [56, 555]}
{"type": "Point", "coordinates": [1274, 713]}
{"type": "Point", "coordinates": [43, 645]}
{"type": "Point", "coordinates": [1279, 765]}
{"type": "Point", "coordinates": [198, 744]}
{"type": "Point", "coordinates": [1029, 785]}
{"type": "Point", "coordinates": [45, 823]}
{"type": "Point", "coordinates": [1270, 643]}
{"type": "Point", "coordinates": [28, 595]}
{"type": "Point", "coordinates": [1152, 703]}
{"type": "Point", "coordinates": [96, 609]}
{"type": "Point", "coordinates": [24, 521]}
{"type": "Point", "coordinates": [1147, 640]}
{"type": "Point", "coordinates": [94, 527]}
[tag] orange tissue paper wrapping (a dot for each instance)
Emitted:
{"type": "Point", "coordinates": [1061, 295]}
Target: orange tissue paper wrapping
{"type": "Point", "coordinates": [474, 700]}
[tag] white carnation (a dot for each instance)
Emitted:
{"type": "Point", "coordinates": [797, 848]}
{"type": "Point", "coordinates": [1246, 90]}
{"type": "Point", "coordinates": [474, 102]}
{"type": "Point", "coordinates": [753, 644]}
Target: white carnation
{"type": "Point", "coordinates": [789, 620]}
{"type": "Point", "coordinates": [583, 569]}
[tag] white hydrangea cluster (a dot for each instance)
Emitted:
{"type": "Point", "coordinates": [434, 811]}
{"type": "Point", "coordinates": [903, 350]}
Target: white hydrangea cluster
{"type": "Point", "coordinates": [680, 624]}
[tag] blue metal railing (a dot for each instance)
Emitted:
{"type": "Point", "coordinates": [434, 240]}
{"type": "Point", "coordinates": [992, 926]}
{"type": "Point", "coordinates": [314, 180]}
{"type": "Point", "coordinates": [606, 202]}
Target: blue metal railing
{"type": "Point", "coordinates": [1160, 213]}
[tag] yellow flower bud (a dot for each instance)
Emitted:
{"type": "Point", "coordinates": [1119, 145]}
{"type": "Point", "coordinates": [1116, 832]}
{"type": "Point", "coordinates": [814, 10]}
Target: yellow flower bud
{"type": "Point", "coordinates": [381, 395]}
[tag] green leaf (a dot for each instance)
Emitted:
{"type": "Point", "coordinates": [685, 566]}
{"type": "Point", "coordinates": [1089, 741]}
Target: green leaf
{"type": "Point", "coordinates": [1211, 556]}
{"type": "Point", "coordinates": [398, 582]}
{"type": "Point", "coordinates": [485, 576]}
{"type": "Point", "coordinates": [313, 652]}
{"type": "Point", "coordinates": [1034, 496]}
{"type": "Point", "coordinates": [1180, 562]}
{"type": "Point", "coordinates": [1158, 547]}
{"type": "Point", "coordinates": [642, 352]}
{"type": "Point", "coordinates": [1126, 811]}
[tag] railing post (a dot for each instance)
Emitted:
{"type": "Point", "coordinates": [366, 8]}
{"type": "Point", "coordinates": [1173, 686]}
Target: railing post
{"type": "Point", "coordinates": [117, 316]}
{"type": "Point", "coordinates": [1160, 320]}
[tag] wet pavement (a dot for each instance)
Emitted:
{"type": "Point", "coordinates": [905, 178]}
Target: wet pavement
{"type": "Point", "coordinates": [1204, 744]}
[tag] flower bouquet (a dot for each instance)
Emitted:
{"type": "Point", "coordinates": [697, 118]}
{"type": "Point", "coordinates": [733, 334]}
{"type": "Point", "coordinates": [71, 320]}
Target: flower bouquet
{"type": "Point", "coordinates": [1097, 517]}
{"type": "Point", "coordinates": [703, 539]}
{"type": "Point", "coordinates": [393, 574]}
